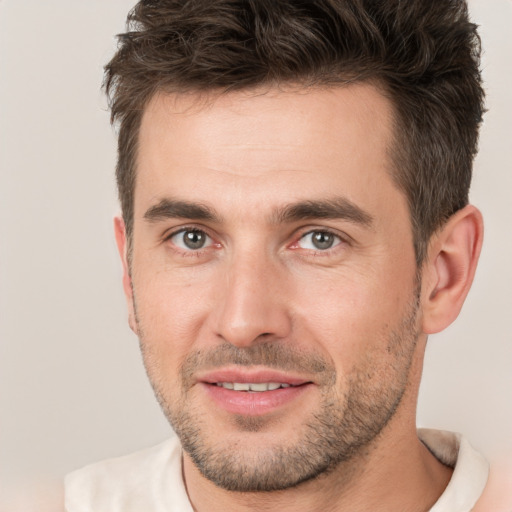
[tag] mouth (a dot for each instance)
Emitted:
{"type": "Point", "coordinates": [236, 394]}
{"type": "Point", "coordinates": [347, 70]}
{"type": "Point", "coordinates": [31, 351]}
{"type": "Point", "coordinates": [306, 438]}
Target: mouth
{"type": "Point", "coordinates": [253, 393]}
{"type": "Point", "coordinates": [253, 387]}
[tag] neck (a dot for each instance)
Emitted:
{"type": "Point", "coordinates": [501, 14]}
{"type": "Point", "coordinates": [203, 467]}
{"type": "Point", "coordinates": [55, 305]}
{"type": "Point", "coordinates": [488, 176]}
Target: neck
{"type": "Point", "coordinates": [395, 472]}
{"type": "Point", "coordinates": [390, 476]}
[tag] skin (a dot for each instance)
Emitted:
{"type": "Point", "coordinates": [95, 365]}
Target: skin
{"type": "Point", "coordinates": [259, 281]}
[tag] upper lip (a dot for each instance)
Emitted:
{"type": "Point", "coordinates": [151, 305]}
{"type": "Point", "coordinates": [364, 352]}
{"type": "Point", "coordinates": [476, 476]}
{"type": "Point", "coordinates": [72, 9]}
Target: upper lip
{"type": "Point", "coordinates": [251, 376]}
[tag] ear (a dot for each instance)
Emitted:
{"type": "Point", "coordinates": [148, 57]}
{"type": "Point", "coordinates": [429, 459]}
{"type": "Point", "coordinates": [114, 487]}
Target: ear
{"type": "Point", "coordinates": [450, 267]}
{"type": "Point", "coordinates": [122, 247]}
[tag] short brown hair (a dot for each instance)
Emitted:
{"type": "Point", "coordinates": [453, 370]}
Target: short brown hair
{"type": "Point", "coordinates": [424, 55]}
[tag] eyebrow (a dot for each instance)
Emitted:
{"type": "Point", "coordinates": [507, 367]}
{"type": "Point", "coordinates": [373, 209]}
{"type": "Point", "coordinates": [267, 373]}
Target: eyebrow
{"type": "Point", "coordinates": [177, 209]}
{"type": "Point", "coordinates": [335, 208]}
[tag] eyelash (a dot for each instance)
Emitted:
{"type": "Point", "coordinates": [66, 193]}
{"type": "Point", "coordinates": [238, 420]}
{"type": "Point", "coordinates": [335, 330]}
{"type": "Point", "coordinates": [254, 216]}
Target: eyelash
{"type": "Point", "coordinates": [343, 240]}
{"type": "Point", "coordinates": [192, 229]}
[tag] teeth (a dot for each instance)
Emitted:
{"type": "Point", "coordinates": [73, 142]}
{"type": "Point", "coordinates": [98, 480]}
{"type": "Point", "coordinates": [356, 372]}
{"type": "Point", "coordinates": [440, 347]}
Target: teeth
{"type": "Point", "coordinates": [262, 386]}
{"type": "Point", "coordinates": [252, 386]}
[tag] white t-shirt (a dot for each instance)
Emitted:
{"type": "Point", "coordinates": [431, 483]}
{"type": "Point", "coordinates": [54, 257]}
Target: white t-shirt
{"type": "Point", "coordinates": [151, 480]}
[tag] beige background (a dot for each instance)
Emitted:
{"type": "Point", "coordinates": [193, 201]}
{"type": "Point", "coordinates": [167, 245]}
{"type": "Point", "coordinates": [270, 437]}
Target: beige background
{"type": "Point", "coordinates": [72, 387]}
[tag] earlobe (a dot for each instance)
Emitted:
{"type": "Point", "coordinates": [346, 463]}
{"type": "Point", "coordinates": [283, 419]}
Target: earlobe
{"type": "Point", "coordinates": [122, 247]}
{"type": "Point", "coordinates": [450, 268]}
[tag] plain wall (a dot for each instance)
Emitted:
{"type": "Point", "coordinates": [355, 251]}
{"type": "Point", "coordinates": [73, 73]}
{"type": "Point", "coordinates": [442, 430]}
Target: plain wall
{"type": "Point", "coordinates": [72, 386]}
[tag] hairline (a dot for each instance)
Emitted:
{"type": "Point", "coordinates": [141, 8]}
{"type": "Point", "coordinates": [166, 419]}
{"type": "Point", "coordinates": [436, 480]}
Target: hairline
{"type": "Point", "coordinates": [398, 158]}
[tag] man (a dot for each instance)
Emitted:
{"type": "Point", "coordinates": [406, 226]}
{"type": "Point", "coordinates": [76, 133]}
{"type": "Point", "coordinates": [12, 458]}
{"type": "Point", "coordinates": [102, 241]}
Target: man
{"type": "Point", "coordinates": [294, 183]}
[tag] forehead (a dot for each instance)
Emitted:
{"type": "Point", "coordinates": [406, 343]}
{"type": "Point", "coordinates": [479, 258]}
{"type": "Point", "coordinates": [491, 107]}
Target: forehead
{"type": "Point", "coordinates": [268, 145]}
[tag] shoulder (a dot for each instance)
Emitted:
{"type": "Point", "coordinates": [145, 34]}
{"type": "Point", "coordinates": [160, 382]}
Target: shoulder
{"type": "Point", "coordinates": [470, 469]}
{"type": "Point", "coordinates": [130, 483]}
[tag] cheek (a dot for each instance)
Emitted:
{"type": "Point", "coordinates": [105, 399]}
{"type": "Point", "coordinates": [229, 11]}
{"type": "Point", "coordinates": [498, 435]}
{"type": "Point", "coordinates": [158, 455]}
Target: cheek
{"type": "Point", "coordinates": [351, 314]}
{"type": "Point", "coordinates": [171, 311]}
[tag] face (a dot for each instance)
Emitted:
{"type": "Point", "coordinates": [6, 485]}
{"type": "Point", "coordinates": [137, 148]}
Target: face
{"type": "Point", "coordinates": [273, 279]}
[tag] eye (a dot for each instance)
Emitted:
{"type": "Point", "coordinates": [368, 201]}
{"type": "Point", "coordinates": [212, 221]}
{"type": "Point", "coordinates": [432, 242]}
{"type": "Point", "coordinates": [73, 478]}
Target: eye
{"type": "Point", "coordinates": [191, 239]}
{"type": "Point", "coordinates": [318, 240]}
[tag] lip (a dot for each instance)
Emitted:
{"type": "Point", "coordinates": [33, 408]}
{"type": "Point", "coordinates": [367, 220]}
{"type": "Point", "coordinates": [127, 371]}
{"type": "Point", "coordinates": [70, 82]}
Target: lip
{"type": "Point", "coordinates": [249, 403]}
{"type": "Point", "coordinates": [256, 376]}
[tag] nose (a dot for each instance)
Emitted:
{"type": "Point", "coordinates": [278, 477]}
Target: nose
{"type": "Point", "coordinates": [252, 306]}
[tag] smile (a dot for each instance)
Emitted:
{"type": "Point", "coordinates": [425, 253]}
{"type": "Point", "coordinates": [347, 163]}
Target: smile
{"type": "Point", "coordinates": [254, 398]}
{"type": "Point", "coordinates": [257, 387]}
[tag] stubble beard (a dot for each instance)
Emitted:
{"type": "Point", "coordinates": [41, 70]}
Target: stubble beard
{"type": "Point", "coordinates": [341, 430]}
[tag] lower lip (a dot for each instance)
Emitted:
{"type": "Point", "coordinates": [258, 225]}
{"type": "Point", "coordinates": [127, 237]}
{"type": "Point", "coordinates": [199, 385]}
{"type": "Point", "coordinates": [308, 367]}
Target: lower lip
{"type": "Point", "coordinates": [253, 403]}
